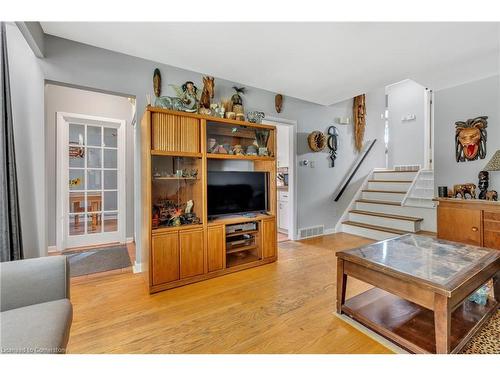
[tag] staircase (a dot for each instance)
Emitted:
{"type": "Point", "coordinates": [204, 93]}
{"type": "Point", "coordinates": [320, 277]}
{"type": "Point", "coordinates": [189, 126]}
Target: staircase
{"type": "Point", "coordinates": [378, 212]}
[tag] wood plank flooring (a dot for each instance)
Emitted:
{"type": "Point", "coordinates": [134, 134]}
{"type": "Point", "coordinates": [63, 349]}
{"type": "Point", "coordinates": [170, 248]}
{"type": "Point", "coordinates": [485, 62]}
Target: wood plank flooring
{"type": "Point", "coordinates": [284, 307]}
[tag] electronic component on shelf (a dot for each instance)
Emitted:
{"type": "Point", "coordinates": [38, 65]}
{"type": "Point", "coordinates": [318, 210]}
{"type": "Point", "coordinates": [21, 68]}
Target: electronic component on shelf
{"type": "Point", "coordinates": [243, 227]}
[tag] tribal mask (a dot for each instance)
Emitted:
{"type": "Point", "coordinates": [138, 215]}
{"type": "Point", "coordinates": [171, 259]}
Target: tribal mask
{"type": "Point", "coordinates": [470, 139]}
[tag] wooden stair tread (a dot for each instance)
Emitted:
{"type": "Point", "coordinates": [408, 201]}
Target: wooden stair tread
{"type": "Point", "coordinates": [389, 216]}
{"type": "Point", "coordinates": [394, 171]}
{"type": "Point", "coordinates": [374, 227]}
{"type": "Point", "coordinates": [383, 191]}
{"type": "Point", "coordinates": [391, 181]}
{"type": "Point", "coordinates": [387, 203]}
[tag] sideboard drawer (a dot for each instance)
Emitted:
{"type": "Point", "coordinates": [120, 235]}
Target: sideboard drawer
{"type": "Point", "coordinates": [493, 216]}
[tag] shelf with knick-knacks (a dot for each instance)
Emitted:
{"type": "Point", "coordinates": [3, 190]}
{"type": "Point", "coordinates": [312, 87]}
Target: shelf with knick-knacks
{"type": "Point", "coordinates": [232, 141]}
{"type": "Point", "coordinates": [176, 191]}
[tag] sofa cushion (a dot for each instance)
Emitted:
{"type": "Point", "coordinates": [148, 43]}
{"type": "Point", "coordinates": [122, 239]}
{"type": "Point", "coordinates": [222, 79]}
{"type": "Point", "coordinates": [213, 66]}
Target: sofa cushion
{"type": "Point", "coordinates": [40, 328]}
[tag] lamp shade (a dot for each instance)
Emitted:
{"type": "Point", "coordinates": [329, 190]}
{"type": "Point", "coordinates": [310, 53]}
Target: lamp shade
{"type": "Point", "coordinates": [494, 163]}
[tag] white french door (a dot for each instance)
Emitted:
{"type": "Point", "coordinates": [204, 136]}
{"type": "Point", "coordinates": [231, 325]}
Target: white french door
{"type": "Point", "coordinates": [91, 180]}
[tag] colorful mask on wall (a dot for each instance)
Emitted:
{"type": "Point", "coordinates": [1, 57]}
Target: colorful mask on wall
{"type": "Point", "coordinates": [470, 139]}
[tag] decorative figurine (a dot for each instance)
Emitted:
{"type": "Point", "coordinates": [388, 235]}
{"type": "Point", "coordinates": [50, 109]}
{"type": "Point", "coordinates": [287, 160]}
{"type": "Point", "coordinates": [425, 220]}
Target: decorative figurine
{"type": "Point", "coordinates": [255, 116]}
{"type": "Point", "coordinates": [463, 189]}
{"type": "Point", "coordinates": [157, 82]}
{"type": "Point", "coordinates": [278, 102]}
{"type": "Point", "coordinates": [236, 98]}
{"type": "Point", "coordinates": [470, 139]}
{"type": "Point", "coordinates": [189, 206]}
{"type": "Point", "coordinates": [483, 184]}
{"type": "Point", "coordinates": [237, 150]}
{"type": "Point", "coordinates": [212, 145]}
{"type": "Point", "coordinates": [332, 143]}
{"type": "Point", "coordinates": [261, 137]}
{"type": "Point", "coordinates": [251, 150]}
{"type": "Point", "coordinates": [207, 94]}
{"type": "Point", "coordinates": [186, 100]}
{"type": "Point", "coordinates": [491, 195]}
{"type": "Point", "coordinates": [359, 112]}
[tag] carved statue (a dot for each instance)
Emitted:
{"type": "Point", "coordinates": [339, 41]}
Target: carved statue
{"type": "Point", "coordinates": [470, 139]}
{"type": "Point", "coordinates": [483, 184]}
{"type": "Point", "coordinates": [359, 114]}
{"type": "Point", "coordinates": [157, 82]}
{"type": "Point", "coordinates": [463, 189]}
{"type": "Point", "coordinates": [491, 195]}
{"type": "Point", "coordinates": [278, 102]}
{"type": "Point", "coordinates": [207, 94]}
{"type": "Point", "coordinates": [187, 98]}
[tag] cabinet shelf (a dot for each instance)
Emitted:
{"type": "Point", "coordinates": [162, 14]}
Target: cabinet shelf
{"type": "Point", "coordinates": [242, 232]}
{"type": "Point", "coordinates": [240, 157]}
{"type": "Point", "coordinates": [175, 178]}
{"type": "Point", "coordinates": [240, 249]}
{"type": "Point", "coordinates": [233, 260]}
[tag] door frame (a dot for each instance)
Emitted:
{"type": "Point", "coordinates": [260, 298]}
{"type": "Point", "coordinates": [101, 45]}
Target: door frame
{"type": "Point", "coordinates": [292, 170]}
{"type": "Point", "coordinates": [62, 190]}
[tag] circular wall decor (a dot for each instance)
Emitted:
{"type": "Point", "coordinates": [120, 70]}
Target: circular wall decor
{"type": "Point", "coordinates": [317, 141]}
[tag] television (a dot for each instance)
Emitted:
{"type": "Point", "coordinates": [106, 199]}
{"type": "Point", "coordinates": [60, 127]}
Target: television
{"type": "Point", "coordinates": [232, 192]}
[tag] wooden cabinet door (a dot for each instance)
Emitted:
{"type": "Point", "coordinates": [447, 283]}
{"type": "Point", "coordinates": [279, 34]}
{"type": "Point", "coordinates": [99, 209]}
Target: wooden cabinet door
{"type": "Point", "coordinates": [491, 227]}
{"type": "Point", "coordinates": [192, 247]}
{"type": "Point", "coordinates": [165, 258]}
{"type": "Point", "coordinates": [174, 133]}
{"type": "Point", "coordinates": [215, 248]}
{"type": "Point", "coordinates": [460, 225]}
{"type": "Point", "coordinates": [269, 239]}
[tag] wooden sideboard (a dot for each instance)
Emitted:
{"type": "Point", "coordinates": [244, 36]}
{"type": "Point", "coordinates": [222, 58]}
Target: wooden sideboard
{"type": "Point", "coordinates": [474, 221]}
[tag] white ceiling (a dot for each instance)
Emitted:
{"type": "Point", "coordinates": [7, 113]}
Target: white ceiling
{"type": "Point", "coordinates": [319, 62]}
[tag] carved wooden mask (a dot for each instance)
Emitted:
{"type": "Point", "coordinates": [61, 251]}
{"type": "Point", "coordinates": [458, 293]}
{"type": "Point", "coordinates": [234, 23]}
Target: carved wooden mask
{"type": "Point", "coordinates": [470, 139]}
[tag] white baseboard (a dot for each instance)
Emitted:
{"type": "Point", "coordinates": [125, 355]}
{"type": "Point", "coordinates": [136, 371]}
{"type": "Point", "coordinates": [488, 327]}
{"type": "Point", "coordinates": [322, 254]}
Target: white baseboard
{"type": "Point", "coordinates": [52, 249]}
{"type": "Point", "coordinates": [129, 240]}
{"type": "Point", "coordinates": [330, 231]}
{"type": "Point", "coordinates": [137, 267]}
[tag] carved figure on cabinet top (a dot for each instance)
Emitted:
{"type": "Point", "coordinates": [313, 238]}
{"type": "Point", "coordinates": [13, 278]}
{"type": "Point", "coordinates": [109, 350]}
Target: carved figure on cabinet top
{"type": "Point", "coordinates": [207, 94]}
{"type": "Point", "coordinates": [157, 82]}
{"type": "Point", "coordinates": [470, 139]}
{"type": "Point", "coordinates": [462, 190]}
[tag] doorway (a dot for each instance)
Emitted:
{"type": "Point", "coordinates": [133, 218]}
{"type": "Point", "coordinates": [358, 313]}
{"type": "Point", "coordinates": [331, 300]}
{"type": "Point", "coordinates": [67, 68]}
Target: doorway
{"type": "Point", "coordinates": [90, 180]}
{"type": "Point", "coordinates": [286, 186]}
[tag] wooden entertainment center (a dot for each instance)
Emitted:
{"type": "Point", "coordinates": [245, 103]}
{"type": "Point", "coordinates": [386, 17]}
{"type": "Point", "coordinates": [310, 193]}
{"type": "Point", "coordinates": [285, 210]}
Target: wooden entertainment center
{"type": "Point", "coordinates": [175, 161]}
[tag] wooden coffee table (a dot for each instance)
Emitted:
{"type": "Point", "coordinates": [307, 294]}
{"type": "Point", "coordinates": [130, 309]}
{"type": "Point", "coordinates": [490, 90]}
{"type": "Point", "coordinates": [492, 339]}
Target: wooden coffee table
{"type": "Point", "coordinates": [421, 287]}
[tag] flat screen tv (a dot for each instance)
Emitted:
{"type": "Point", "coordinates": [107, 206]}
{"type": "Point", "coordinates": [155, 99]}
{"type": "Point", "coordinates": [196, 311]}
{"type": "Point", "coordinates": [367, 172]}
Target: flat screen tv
{"type": "Point", "coordinates": [232, 192]}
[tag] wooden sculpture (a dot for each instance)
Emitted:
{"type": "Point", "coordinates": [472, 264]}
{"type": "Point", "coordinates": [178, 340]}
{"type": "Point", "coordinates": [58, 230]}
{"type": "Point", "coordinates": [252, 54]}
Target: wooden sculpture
{"type": "Point", "coordinates": [157, 82]}
{"type": "Point", "coordinates": [278, 102]}
{"type": "Point", "coordinates": [207, 94]}
{"type": "Point", "coordinates": [359, 114]}
{"type": "Point", "coordinates": [316, 141]}
{"type": "Point", "coordinates": [462, 190]}
{"type": "Point", "coordinates": [470, 139]}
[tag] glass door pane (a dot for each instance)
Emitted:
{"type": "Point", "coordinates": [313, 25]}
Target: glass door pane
{"type": "Point", "coordinates": [93, 179]}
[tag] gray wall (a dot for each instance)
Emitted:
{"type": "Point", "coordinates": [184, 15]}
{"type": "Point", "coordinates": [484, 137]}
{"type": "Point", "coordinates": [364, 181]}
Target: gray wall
{"type": "Point", "coordinates": [67, 99]}
{"type": "Point", "coordinates": [26, 78]}
{"type": "Point", "coordinates": [74, 63]}
{"type": "Point", "coordinates": [461, 103]}
{"type": "Point", "coordinates": [406, 138]}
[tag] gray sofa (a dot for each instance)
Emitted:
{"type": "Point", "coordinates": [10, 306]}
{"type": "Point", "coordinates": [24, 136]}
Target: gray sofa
{"type": "Point", "coordinates": [36, 312]}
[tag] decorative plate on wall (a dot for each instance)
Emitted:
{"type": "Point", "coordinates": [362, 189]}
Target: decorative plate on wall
{"type": "Point", "coordinates": [317, 141]}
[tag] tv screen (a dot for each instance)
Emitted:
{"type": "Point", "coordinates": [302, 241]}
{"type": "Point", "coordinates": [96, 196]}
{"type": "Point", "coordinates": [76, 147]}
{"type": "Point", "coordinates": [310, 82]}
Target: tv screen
{"type": "Point", "coordinates": [236, 192]}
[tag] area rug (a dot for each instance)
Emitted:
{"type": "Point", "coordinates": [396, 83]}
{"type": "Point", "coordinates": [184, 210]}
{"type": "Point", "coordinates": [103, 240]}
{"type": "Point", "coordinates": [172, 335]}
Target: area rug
{"type": "Point", "coordinates": [98, 260]}
{"type": "Point", "coordinates": [487, 340]}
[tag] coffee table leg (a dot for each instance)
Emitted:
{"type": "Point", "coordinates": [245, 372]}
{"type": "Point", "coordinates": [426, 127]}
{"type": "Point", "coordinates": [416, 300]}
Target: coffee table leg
{"type": "Point", "coordinates": [442, 323]}
{"type": "Point", "coordinates": [496, 286]}
{"type": "Point", "coordinates": [341, 285]}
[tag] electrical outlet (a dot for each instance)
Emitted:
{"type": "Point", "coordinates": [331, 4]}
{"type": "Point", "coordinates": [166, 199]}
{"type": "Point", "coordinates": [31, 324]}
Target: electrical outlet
{"type": "Point", "coordinates": [311, 163]}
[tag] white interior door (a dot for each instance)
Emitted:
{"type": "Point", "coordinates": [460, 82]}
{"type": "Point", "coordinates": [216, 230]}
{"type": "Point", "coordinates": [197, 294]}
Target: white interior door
{"type": "Point", "coordinates": [91, 180]}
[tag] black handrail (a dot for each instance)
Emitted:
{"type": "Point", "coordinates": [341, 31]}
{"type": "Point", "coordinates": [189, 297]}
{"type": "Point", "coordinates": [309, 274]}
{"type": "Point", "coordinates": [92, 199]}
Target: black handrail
{"type": "Point", "coordinates": [355, 170]}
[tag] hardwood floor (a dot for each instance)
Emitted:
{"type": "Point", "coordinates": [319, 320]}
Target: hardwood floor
{"type": "Point", "coordinates": [284, 307]}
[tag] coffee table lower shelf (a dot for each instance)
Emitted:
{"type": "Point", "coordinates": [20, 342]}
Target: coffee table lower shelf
{"type": "Point", "coordinates": [411, 326]}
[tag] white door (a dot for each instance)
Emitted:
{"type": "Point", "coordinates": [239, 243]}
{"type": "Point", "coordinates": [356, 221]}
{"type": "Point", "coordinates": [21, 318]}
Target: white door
{"type": "Point", "coordinates": [91, 180]}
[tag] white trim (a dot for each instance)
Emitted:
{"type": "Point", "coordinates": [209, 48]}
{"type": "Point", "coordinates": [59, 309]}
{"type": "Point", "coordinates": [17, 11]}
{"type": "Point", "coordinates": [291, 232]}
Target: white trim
{"type": "Point", "coordinates": [62, 191]}
{"type": "Point", "coordinates": [292, 170]}
{"type": "Point", "coordinates": [129, 240]}
{"type": "Point", "coordinates": [52, 249]}
{"type": "Point", "coordinates": [137, 267]}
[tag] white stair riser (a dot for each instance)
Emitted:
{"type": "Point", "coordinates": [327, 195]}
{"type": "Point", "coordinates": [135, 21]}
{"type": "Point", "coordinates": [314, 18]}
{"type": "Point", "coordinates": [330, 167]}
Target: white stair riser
{"type": "Point", "coordinates": [394, 186]}
{"type": "Point", "coordinates": [410, 226]}
{"type": "Point", "coordinates": [391, 197]}
{"type": "Point", "coordinates": [405, 176]}
{"type": "Point", "coordinates": [366, 232]}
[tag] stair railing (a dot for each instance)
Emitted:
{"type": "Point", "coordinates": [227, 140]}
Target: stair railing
{"type": "Point", "coordinates": [354, 169]}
